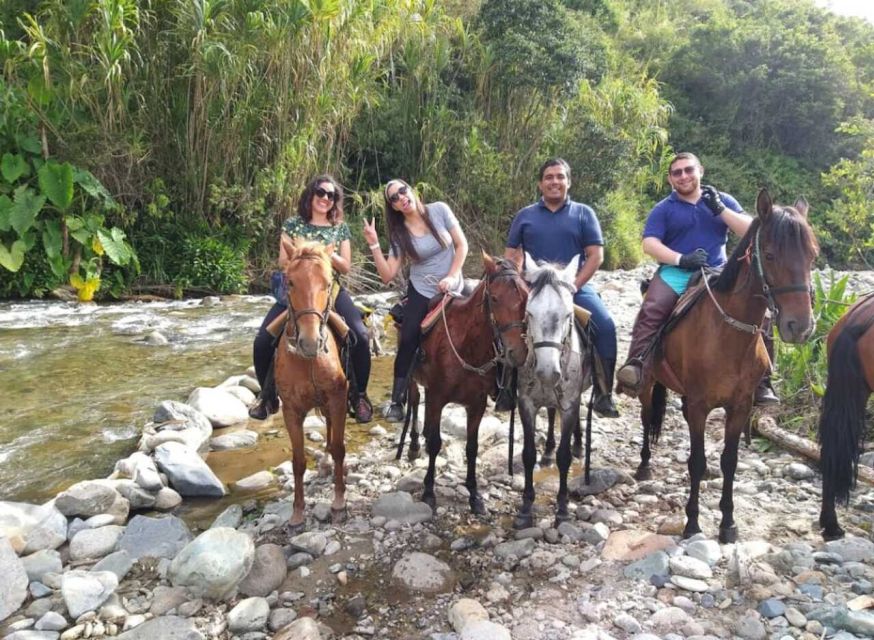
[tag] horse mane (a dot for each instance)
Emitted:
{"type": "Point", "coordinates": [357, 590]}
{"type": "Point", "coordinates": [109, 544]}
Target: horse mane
{"type": "Point", "coordinates": [544, 278]}
{"type": "Point", "coordinates": [313, 250]}
{"type": "Point", "coordinates": [786, 231]}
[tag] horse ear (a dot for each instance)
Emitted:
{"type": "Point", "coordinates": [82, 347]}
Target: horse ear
{"type": "Point", "coordinates": [570, 271]}
{"type": "Point", "coordinates": [764, 204]}
{"type": "Point", "coordinates": [488, 261]}
{"type": "Point", "coordinates": [288, 246]}
{"type": "Point", "coordinates": [801, 206]}
{"type": "Point", "coordinates": [531, 267]}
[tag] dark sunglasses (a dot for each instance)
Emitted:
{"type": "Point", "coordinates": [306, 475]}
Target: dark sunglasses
{"type": "Point", "coordinates": [402, 191]}
{"type": "Point", "coordinates": [691, 169]}
{"type": "Point", "coordinates": [322, 193]}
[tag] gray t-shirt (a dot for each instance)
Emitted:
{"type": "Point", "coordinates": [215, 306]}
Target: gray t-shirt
{"type": "Point", "coordinates": [434, 261]}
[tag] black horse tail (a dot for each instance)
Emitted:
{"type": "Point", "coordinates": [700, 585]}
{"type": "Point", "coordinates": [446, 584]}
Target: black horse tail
{"type": "Point", "coordinates": [659, 402]}
{"type": "Point", "coordinates": [842, 421]}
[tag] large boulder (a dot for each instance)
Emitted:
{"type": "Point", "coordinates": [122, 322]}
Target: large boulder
{"type": "Point", "coordinates": [147, 537]}
{"type": "Point", "coordinates": [86, 499]}
{"type": "Point", "coordinates": [86, 590]}
{"type": "Point", "coordinates": [31, 527]}
{"type": "Point", "coordinates": [13, 585]}
{"type": "Point", "coordinates": [420, 572]}
{"type": "Point", "coordinates": [268, 571]}
{"type": "Point", "coordinates": [165, 628]}
{"type": "Point", "coordinates": [221, 407]}
{"type": "Point", "coordinates": [187, 471]}
{"type": "Point", "coordinates": [401, 506]}
{"type": "Point", "coordinates": [213, 564]}
{"type": "Point", "coordinates": [190, 425]}
{"type": "Point", "coordinates": [95, 543]}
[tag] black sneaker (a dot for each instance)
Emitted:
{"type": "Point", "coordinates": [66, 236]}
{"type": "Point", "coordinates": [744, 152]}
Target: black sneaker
{"type": "Point", "coordinates": [765, 396]}
{"type": "Point", "coordinates": [263, 409]}
{"type": "Point", "coordinates": [395, 413]}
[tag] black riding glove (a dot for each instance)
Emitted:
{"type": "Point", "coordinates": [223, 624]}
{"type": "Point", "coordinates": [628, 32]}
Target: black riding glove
{"type": "Point", "coordinates": [693, 260]}
{"type": "Point", "coordinates": [712, 199]}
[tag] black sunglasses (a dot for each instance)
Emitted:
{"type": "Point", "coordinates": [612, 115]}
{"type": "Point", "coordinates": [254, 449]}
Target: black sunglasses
{"type": "Point", "coordinates": [323, 193]}
{"type": "Point", "coordinates": [402, 191]}
{"type": "Point", "coordinates": [676, 173]}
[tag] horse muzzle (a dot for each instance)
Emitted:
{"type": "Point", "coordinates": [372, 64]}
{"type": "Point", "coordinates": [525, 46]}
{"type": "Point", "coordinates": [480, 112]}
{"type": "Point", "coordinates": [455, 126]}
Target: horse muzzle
{"type": "Point", "coordinates": [796, 329]}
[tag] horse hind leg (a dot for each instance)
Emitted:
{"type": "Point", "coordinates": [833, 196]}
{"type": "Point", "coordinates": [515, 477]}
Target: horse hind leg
{"type": "Point", "coordinates": [525, 516]}
{"type": "Point", "coordinates": [577, 446]}
{"type": "Point", "coordinates": [736, 419]}
{"type": "Point", "coordinates": [548, 457]}
{"type": "Point", "coordinates": [337, 444]}
{"type": "Point", "coordinates": [697, 466]}
{"type": "Point", "coordinates": [433, 442]}
{"type": "Point", "coordinates": [415, 451]}
{"type": "Point", "coordinates": [474, 416]}
{"type": "Point", "coordinates": [564, 464]}
{"type": "Point", "coordinates": [653, 400]}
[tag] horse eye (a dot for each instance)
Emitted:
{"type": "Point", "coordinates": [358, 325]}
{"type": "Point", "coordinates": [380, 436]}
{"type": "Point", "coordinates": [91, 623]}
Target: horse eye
{"type": "Point", "coordinates": [769, 256]}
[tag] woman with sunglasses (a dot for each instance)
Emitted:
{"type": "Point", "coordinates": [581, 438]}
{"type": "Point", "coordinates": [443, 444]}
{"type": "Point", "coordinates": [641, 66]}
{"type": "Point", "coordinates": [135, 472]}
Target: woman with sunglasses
{"type": "Point", "coordinates": [319, 218]}
{"type": "Point", "coordinates": [431, 240]}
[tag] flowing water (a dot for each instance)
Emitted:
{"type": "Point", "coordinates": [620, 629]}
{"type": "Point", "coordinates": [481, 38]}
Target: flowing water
{"type": "Point", "coordinates": [78, 382]}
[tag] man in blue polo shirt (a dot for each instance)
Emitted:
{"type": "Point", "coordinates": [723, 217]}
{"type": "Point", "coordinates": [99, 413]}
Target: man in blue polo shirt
{"type": "Point", "coordinates": [684, 232]}
{"type": "Point", "coordinates": [556, 229]}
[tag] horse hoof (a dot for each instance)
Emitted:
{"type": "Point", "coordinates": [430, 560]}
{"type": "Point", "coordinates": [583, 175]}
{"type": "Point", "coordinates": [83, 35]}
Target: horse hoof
{"type": "Point", "coordinates": [478, 507]}
{"type": "Point", "coordinates": [295, 529]}
{"type": "Point", "coordinates": [728, 535]}
{"type": "Point", "coordinates": [830, 534]}
{"type": "Point", "coordinates": [430, 500]}
{"type": "Point", "coordinates": [523, 521]}
{"type": "Point", "coordinates": [643, 473]}
{"type": "Point", "coordinates": [690, 531]}
{"type": "Point", "coordinates": [338, 516]}
{"type": "Point", "coordinates": [577, 451]}
{"type": "Point", "coordinates": [414, 454]}
{"type": "Point", "coordinates": [547, 461]}
{"type": "Point", "coordinates": [561, 517]}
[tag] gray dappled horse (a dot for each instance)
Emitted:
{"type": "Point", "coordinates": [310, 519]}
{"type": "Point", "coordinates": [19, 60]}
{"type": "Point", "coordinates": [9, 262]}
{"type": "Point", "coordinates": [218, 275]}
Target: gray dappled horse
{"type": "Point", "coordinates": [556, 372]}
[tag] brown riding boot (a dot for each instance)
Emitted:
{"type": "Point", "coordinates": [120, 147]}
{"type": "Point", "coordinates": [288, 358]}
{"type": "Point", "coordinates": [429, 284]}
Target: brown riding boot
{"type": "Point", "coordinates": [656, 308]}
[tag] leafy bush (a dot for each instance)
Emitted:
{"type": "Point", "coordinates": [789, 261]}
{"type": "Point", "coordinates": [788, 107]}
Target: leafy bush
{"type": "Point", "coordinates": [802, 369]}
{"type": "Point", "coordinates": [210, 263]}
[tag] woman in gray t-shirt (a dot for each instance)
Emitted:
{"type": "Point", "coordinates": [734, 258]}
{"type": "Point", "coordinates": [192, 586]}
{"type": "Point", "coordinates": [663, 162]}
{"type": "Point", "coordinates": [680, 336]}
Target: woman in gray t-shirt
{"type": "Point", "coordinates": [430, 238]}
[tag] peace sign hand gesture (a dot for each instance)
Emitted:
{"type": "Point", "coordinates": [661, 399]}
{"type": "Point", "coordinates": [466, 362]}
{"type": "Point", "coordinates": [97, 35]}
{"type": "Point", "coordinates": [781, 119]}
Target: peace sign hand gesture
{"type": "Point", "coordinates": [370, 232]}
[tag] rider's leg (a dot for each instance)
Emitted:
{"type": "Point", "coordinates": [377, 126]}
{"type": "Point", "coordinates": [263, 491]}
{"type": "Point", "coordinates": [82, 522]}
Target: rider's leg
{"type": "Point", "coordinates": [360, 353]}
{"type": "Point", "coordinates": [656, 308]}
{"type": "Point", "coordinates": [414, 312]}
{"type": "Point", "coordinates": [604, 335]}
{"type": "Point", "coordinates": [765, 392]}
{"type": "Point", "coordinates": [263, 348]}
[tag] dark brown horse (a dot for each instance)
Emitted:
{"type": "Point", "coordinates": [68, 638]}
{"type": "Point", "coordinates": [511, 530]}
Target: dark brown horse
{"type": "Point", "coordinates": [842, 422]}
{"type": "Point", "coordinates": [308, 369]}
{"type": "Point", "coordinates": [715, 355]}
{"type": "Point", "coordinates": [458, 359]}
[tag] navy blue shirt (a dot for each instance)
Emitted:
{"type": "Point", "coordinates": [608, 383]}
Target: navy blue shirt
{"type": "Point", "coordinates": [683, 226]}
{"type": "Point", "coordinates": [555, 236]}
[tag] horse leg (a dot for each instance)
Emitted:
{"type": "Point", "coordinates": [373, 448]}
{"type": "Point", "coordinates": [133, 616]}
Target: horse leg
{"type": "Point", "coordinates": [433, 410]}
{"type": "Point", "coordinates": [294, 424]}
{"type": "Point", "coordinates": [736, 419]}
{"type": "Point", "coordinates": [644, 472]}
{"type": "Point", "coordinates": [337, 443]}
{"type": "Point", "coordinates": [414, 451]}
{"type": "Point", "coordinates": [525, 515]}
{"type": "Point", "coordinates": [548, 456]}
{"type": "Point", "coordinates": [474, 416]}
{"type": "Point", "coordinates": [577, 447]}
{"type": "Point", "coordinates": [564, 462]}
{"type": "Point", "coordinates": [697, 465]}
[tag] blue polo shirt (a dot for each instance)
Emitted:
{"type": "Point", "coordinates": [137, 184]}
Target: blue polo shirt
{"type": "Point", "coordinates": [555, 236]}
{"type": "Point", "coordinates": [684, 227]}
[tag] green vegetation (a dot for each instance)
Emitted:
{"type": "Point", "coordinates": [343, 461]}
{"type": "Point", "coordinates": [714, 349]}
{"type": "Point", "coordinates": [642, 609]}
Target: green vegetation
{"type": "Point", "coordinates": [157, 135]}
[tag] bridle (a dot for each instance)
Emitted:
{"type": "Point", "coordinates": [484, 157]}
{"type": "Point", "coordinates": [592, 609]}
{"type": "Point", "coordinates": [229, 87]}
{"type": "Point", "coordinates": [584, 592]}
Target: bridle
{"type": "Point", "coordinates": [753, 256]}
{"type": "Point", "coordinates": [561, 346]}
{"type": "Point", "coordinates": [291, 328]}
{"type": "Point", "coordinates": [498, 330]}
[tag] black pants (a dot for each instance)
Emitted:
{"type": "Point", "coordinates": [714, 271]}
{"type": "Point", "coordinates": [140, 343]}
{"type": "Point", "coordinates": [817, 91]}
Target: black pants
{"type": "Point", "coordinates": [414, 312]}
{"type": "Point", "coordinates": [262, 348]}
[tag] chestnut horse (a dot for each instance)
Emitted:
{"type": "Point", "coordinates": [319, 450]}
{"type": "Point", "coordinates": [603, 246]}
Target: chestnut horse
{"type": "Point", "coordinates": [842, 422]}
{"type": "Point", "coordinates": [308, 369]}
{"type": "Point", "coordinates": [458, 357]}
{"type": "Point", "coordinates": [715, 356]}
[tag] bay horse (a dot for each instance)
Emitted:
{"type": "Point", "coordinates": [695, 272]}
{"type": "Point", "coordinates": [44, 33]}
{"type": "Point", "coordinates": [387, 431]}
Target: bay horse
{"type": "Point", "coordinates": [714, 356]}
{"type": "Point", "coordinates": [308, 369]}
{"type": "Point", "coordinates": [457, 363]}
{"type": "Point", "coordinates": [850, 347]}
{"type": "Point", "coordinates": [557, 370]}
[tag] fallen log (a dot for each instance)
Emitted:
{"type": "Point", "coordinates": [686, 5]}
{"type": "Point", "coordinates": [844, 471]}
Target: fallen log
{"type": "Point", "coordinates": [767, 427]}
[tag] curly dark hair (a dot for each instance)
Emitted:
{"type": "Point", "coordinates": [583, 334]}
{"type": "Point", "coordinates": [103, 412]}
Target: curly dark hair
{"type": "Point", "coordinates": [305, 204]}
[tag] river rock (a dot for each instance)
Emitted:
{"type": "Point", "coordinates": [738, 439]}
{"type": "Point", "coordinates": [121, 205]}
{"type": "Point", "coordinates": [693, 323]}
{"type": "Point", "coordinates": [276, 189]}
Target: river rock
{"type": "Point", "coordinates": [119, 563]}
{"type": "Point", "coordinates": [465, 611]}
{"type": "Point", "coordinates": [236, 440]}
{"type": "Point", "coordinates": [268, 571]}
{"type": "Point", "coordinates": [631, 545]}
{"type": "Point", "coordinates": [516, 548]}
{"type": "Point", "coordinates": [190, 425]}
{"type": "Point", "coordinates": [258, 480]}
{"type": "Point", "coordinates": [31, 527]}
{"type": "Point", "coordinates": [86, 499]}
{"type": "Point", "coordinates": [707, 551]}
{"type": "Point", "coordinates": [219, 406]}
{"type": "Point", "coordinates": [859, 622]}
{"type": "Point", "coordinates": [600, 481]}
{"type": "Point", "coordinates": [51, 621]}
{"type": "Point", "coordinates": [248, 615]}
{"type": "Point", "coordinates": [300, 629]}
{"type": "Point", "coordinates": [137, 497]}
{"type": "Point", "coordinates": [655, 564]}
{"type": "Point", "coordinates": [40, 563]}
{"type": "Point", "coordinates": [242, 394]}
{"type": "Point", "coordinates": [154, 537]}
{"type": "Point", "coordinates": [95, 543]}
{"type": "Point", "coordinates": [401, 507]}
{"type": "Point", "coordinates": [165, 628]}
{"type": "Point", "coordinates": [311, 542]}
{"type": "Point", "coordinates": [484, 630]}
{"type": "Point", "coordinates": [167, 499]}
{"type": "Point", "coordinates": [230, 517]}
{"type": "Point", "coordinates": [214, 563]}
{"type": "Point", "coordinates": [851, 549]}
{"type": "Point", "coordinates": [421, 572]}
{"type": "Point", "coordinates": [86, 590]}
{"type": "Point", "coordinates": [165, 599]}
{"type": "Point", "coordinates": [669, 619]}
{"type": "Point", "coordinates": [691, 567]}
{"type": "Point", "coordinates": [187, 471]}
{"type": "Point", "coordinates": [141, 469]}
{"type": "Point", "coordinates": [13, 585]}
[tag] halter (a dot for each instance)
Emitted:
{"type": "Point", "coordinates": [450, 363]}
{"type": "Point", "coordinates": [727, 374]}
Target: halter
{"type": "Point", "coordinates": [558, 345]}
{"type": "Point", "coordinates": [292, 323]}
{"type": "Point", "coordinates": [497, 330]}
